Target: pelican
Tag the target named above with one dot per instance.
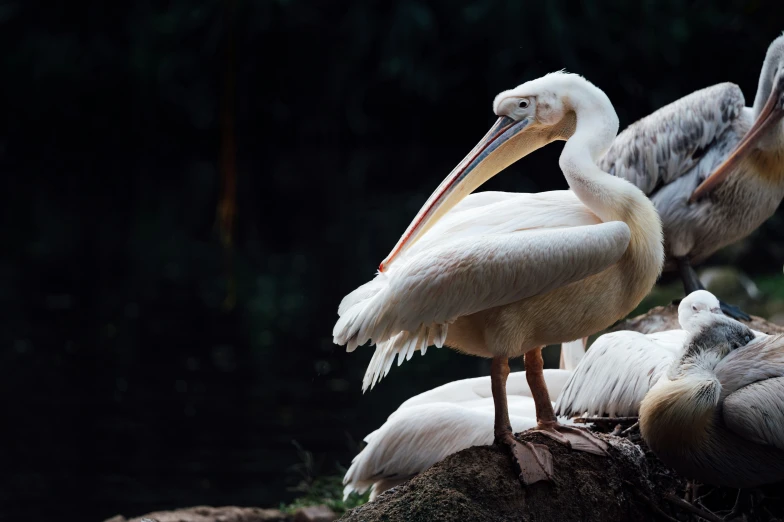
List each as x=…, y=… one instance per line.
x=713, y=167
x=500, y=275
x=620, y=368
x=717, y=415
x=439, y=422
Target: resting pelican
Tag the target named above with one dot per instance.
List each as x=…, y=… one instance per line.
x=429, y=427
x=501, y=275
x=620, y=368
x=717, y=416
x=439, y=422
x=713, y=167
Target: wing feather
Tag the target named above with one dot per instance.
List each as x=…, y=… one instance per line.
x=415, y=438
x=477, y=388
x=468, y=275
x=762, y=358
x=615, y=374
x=756, y=412
x=670, y=142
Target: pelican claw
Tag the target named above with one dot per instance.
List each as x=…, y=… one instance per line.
x=579, y=439
x=533, y=462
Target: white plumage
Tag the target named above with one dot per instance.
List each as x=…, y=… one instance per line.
x=621, y=367
x=501, y=275
x=437, y=423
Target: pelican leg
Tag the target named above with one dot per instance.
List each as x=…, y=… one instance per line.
x=533, y=462
x=576, y=438
x=742, y=505
x=692, y=283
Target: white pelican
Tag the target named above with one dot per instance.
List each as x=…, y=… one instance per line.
x=717, y=416
x=501, y=275
x=429, y=427
x=439, y=422
x=620, y=367
x=713, y=167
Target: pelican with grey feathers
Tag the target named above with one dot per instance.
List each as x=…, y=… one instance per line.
x=717, y=415
x=713, y=167
x=619, y=369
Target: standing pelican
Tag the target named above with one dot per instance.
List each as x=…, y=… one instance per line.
x=620, y=368
x=717, y=416
x=502, y=275
x=713, y=167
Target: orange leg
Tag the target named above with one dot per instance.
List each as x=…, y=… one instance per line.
x=533, y=462
x=576, y=438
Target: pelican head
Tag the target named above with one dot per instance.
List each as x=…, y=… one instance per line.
x=697, y=301
x=765, y=133
x=711, y=338
x=529, y=117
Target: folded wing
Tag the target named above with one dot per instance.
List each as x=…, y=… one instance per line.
x=691, y=135
x=616, y=373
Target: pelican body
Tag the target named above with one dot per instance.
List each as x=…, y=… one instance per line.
x=717, y=416
x=430, y=426
x=713, y=167
x=621, y=367
x=501, y=275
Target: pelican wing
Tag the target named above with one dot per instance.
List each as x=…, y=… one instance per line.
x=761, y=359
x=415, y=438
x=473, y=262
x=697, y=130
x=756, y=412
x=466, y=391
x=616, y=373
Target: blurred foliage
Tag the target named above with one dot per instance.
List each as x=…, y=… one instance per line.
x=326, y=491
x=316, y=488
x=124, y=375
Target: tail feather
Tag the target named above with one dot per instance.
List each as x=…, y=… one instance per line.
x=364, y=317
x=403, y=345
x=439, y=335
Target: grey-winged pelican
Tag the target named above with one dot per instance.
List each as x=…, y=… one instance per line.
x=500, y=275
x=717, y=415
x=620, y=367
x=713, y=167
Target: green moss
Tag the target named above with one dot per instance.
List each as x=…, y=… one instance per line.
x=326, y=491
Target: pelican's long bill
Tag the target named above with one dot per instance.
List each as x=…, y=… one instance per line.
x=504, y=144
x=770, y=114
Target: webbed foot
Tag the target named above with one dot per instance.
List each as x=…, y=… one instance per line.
x=532, y=462
x=579, y=439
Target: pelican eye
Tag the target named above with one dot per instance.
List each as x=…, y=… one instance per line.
x=523, y=104
x=747, y=338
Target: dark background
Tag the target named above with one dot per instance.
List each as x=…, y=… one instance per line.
x=154, y=355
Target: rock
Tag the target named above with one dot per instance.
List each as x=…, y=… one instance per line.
x=314, y=514
x=210, y=514
x=479, y=484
